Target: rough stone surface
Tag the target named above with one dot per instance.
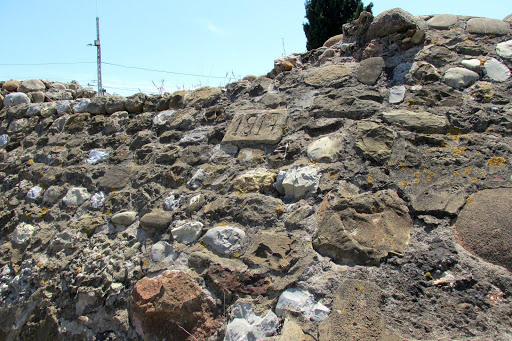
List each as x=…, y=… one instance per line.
x=420, y=121
x=442, y=21
x=370, y=70
x=368, y=229
x=23, y=233
x=299, y=181
x=11, y=85
x=374, y=140
x=504, y=49
x=488, y=26
x=15, y=99
x=396, y=94
x=484, y=228
x=76, y=196
x=203, y=96
x=173, y=306
x=187, y=232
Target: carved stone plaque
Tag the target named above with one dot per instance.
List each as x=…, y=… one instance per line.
x=257, y=126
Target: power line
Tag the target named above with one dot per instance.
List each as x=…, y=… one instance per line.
x=37, y=64
x=164, y=71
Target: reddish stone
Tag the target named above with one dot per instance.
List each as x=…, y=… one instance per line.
x=173, y=307
x=244, y=282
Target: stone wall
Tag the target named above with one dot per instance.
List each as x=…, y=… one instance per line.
x=358, y=191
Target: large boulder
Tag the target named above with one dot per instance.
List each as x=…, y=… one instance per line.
x=114, y=104
x=172, y=306
x=484, y=226
x=362, y=229
x=135, y=103
x=389, y=22
x=31, y=85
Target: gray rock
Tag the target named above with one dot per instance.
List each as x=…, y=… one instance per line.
x=504, y=49
x=52, y=194
x=247, y=326
x=472, y=64
x=224, y=239
x=256, y=126
x=76, y=196
x=302, y=301
x=157, y=219
x=163, y=117
x=370, y=70
x=31, y=85
x=328, y=76
x=458, y=77
x=116, y=177
x=34, y=192
x=357, y=314
x=508, y=18
x=97, y=156
x=420, y=121
x=172, y=202
x=324, y=149
x=187, y=232
x=425, y=73
x=4, y=139
x=97, y=200
x=114, y=104
x=496, y=71
x=488, y=26
x=163, y=252
x=196, y=136
x=124, y=218
x=389, y=22
x=22, y=233
x=17, y=125
x=439, y=197
x=64, y=107
x=396, y=94
x=299, y=181
x=81, y=105
x=15, y=99
x=442, y=21
x=400, y=73
x=196, y=180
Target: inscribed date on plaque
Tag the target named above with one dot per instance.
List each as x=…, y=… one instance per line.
x=256, y=127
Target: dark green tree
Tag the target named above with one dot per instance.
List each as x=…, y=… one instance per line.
x=326, y=18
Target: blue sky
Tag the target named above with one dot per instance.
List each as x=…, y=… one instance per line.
x=216, y=41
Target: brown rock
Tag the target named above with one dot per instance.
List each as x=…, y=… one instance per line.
x=157, y=219
x=116, y=177
x=204, y=96
x=332, y=75
x=333, y=40
x=11, y=85
x=254, y=180
x=173, y=307
x=239, y=282
x=272, y=251
x=484, y=226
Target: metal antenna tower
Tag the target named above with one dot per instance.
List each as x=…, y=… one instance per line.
x=98, y=48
